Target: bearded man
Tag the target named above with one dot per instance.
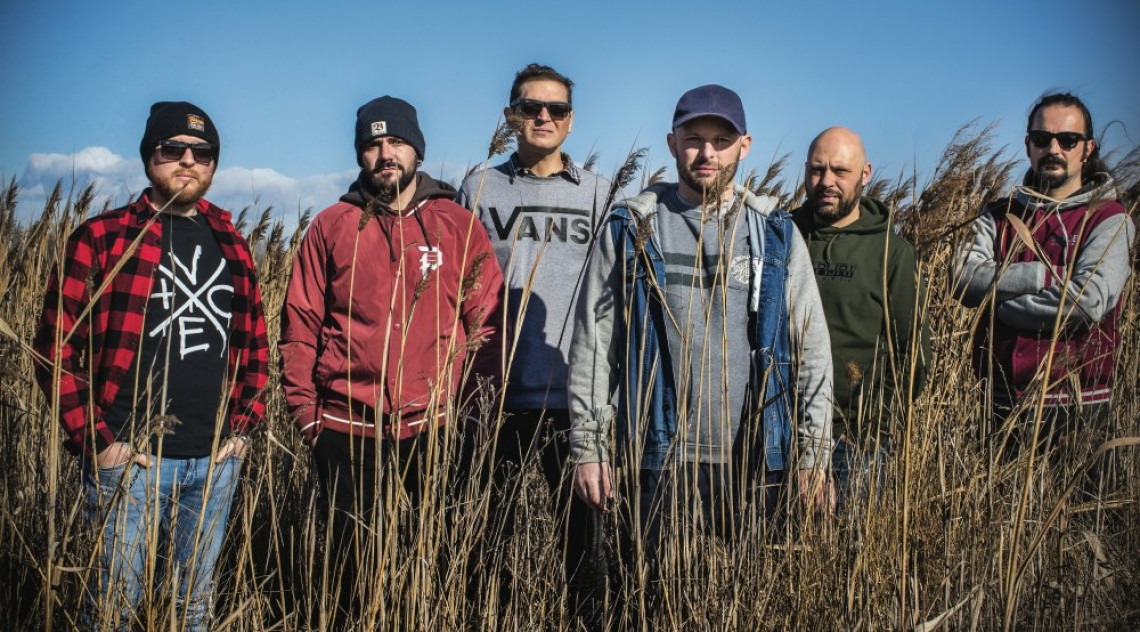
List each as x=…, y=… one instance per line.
x=393, y=288
x=1049, y=265
x=869, y=287
x=155, y=344
x=699, y=311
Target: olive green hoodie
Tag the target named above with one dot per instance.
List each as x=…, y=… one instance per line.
x=867, y=275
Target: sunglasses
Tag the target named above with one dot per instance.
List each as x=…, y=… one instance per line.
x=173, y=150
x=1067, y=140
x=531, y=108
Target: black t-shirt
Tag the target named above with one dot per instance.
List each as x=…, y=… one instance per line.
x=174, y=386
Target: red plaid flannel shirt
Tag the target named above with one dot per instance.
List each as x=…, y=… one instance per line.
x=92, y=344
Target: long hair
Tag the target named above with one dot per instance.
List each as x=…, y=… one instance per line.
x=1093, y=164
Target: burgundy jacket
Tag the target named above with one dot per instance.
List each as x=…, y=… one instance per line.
x=382, y=311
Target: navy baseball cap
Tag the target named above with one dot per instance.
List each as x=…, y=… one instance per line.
x=710, y=100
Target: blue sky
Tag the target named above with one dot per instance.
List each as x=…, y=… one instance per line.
x=283, y=80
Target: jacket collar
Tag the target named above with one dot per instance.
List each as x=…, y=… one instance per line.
x=140, y=210
x=1100, y=188
x=569, y=171
x=644, y=204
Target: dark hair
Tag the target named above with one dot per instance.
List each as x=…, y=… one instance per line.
x=535, y=72
x=1093, y=165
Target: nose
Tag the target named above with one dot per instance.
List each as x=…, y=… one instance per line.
x=187, y=159
x=828, y=178
x=387, y=151
x=543, y=115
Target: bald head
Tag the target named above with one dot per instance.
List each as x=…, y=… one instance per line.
x=835, y=138
x=835, y=174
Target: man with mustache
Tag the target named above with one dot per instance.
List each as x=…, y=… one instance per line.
x=1049, y=265
x=540, y=210
x=155, y=345
x=393, y=298
x=868, y=283
x=699, y=311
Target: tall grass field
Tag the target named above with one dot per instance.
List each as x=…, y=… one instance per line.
x=964, y=538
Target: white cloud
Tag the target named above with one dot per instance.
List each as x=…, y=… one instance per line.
x=117, y=179
x=243, y=186
x=90, y=159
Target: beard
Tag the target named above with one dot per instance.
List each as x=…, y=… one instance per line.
x=386, y=190
x=844, y=208
x=712, y=187
x=1045, y=182
x=187, y=194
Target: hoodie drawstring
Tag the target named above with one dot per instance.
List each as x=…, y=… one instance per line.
x=415, y=212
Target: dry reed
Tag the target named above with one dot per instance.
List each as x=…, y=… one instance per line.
x=962, y=539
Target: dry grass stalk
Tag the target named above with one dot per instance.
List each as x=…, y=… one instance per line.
x=938, y=552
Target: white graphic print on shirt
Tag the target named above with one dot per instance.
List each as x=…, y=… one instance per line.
x=191, y=305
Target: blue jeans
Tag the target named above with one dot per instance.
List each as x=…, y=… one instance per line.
x=173, y=513
x=860, y=475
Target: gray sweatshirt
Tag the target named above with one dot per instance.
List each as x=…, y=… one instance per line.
x=541, y=230
x=595, y=354
x=1029, y=293
x=707, y=266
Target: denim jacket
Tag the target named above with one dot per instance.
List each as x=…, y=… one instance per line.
x=620, y=342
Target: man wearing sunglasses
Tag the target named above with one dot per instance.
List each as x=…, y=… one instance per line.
x=1048, y=266
x=156, y=349
x=540, y=211
x=393, y=299
x=699, y=314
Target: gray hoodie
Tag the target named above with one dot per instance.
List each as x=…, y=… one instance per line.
x=1028, y=293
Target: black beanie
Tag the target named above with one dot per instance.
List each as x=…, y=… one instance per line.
x=171, y=118
x=388, y=116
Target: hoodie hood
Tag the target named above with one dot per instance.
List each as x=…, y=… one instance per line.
x=644, y=207
x=427, y=188
x=1100, y=188
x=644, y=204
x=873, y=216
x=873, y=219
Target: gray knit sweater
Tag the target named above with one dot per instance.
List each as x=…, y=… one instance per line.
x=541, y=229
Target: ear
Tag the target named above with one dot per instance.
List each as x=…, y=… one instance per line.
x=1028, y=150
x=669, y=139
x=1090, y=147
x=507, y=113
x=867, y=170
x=570, y=122
x=745, y=146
